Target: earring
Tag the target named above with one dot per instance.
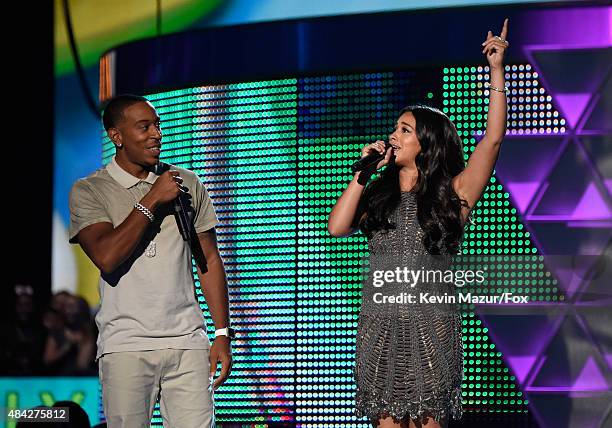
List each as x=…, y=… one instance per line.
x=119, y=145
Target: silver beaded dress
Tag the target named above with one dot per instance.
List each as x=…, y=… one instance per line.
x=409, y=356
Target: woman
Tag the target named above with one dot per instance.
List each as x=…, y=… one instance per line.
x=409, y=356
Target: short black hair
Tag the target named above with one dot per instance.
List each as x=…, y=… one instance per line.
x=113, y=111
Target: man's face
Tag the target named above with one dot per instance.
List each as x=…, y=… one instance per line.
x=140, y=134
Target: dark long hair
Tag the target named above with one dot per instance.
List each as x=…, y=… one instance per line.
x=438, y=205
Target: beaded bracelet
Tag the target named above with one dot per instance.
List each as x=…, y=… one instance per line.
x=145, y=211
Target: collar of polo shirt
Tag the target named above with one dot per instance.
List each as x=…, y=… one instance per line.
x=124, y=178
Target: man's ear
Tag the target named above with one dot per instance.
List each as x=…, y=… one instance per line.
x=115, y=136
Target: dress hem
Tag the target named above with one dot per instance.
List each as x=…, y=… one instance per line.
x=376, y=407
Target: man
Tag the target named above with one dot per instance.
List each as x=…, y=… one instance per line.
x=152, y=339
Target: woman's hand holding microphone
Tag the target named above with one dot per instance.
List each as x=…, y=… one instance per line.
x=378, y=146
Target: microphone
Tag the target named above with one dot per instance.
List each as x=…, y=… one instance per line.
x=180, y=206
x=370, y=160
x=160, y=168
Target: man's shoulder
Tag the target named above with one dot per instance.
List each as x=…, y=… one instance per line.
x=95, y=180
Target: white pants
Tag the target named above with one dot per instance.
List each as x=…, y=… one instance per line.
x=132, y=382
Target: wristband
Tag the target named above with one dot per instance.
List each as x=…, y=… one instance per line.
x=227, y=331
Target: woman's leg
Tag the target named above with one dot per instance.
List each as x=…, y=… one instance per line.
x=427, y=422
x=390, y=422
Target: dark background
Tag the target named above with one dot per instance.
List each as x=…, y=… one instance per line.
x=28, y=139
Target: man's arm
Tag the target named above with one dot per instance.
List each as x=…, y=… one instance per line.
x=107, y=246
x=214, y=288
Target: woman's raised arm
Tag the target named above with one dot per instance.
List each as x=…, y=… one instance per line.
x=471, y=182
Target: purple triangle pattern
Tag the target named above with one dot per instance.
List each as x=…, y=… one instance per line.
x=561, y=362
x=573, y=105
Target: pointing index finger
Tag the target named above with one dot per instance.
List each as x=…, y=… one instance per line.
x=504, y=31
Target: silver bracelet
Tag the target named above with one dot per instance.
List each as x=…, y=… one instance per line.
x=496, y=89
x=145, y=211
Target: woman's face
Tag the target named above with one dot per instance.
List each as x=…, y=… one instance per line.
x=404, y=141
